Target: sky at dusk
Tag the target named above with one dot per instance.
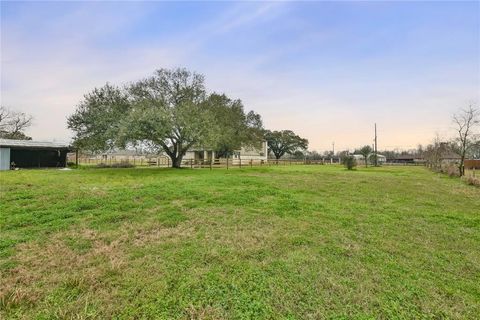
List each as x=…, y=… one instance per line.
x=326, y=70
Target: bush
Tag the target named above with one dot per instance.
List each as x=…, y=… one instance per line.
x=470, y=180
x=349, y=162
x=71, y=164
x=450, y=169
x=121, y=164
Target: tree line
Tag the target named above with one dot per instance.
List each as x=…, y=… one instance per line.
x=172, y=111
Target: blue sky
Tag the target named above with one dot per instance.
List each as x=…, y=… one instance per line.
x=327, y=70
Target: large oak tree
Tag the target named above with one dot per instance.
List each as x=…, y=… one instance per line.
x=285, y=142
x=171, y=111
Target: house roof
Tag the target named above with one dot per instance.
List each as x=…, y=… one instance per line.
x=450, y=155
x=27, y=144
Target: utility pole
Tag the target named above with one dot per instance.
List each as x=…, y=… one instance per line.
x=333, y=152
x=375, y=148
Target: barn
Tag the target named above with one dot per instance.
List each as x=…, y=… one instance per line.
x=32, y=154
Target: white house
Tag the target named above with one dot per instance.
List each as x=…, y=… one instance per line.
x=381, y=159
x=245, y=155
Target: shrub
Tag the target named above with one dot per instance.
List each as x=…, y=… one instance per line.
x=349, y=162
x=71, y=164
x=121, y=164
x=470, y=180
x=452, y=171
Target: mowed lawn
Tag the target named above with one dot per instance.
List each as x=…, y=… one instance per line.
x=292, y=242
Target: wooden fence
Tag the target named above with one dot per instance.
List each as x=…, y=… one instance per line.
x=403, y=164
x=190, y=163
x=472, y=164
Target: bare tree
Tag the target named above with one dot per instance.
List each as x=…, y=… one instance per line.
x=13, y=124
x=466, y=121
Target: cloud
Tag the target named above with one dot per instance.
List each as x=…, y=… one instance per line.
x=296, y=74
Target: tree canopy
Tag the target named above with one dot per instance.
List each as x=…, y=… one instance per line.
x=285, y=142
x=170, y=111
x=365, y=152
x=13, y=124
x=235, y=128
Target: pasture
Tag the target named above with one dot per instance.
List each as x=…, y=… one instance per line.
x=284, y=242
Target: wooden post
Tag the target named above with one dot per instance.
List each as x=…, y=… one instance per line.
x=240, y=162
x=251, y=163
x=227, y=162
x=191, y=163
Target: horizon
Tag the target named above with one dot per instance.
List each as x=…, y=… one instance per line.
x=328, y=71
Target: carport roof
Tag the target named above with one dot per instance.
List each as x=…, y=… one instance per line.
x=10, y=143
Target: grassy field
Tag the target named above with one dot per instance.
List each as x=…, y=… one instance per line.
x=292, y=242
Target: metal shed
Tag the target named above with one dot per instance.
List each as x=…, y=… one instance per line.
x=32, y=154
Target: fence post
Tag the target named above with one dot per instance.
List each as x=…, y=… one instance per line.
x=227, y=162
x=251, y=163
x=191, y=163
x=240, y=162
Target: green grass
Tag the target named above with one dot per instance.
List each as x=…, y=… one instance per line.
x=292, y=242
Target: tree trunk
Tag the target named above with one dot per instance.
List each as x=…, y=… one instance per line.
x=461, y=167
x=177, y=162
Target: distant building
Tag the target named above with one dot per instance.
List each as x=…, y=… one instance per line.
x=371, y=158
x=193, y=155
x=381, y=159
x=32, y=154
x=450, y=157
x=406, y=159
x=245, y=154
